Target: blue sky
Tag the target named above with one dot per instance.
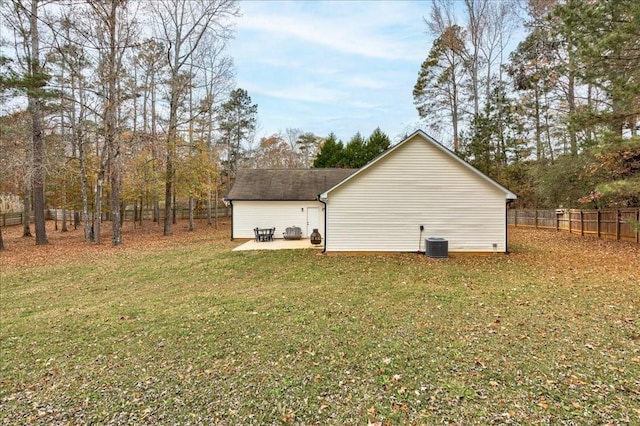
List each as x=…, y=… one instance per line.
x=331, y=66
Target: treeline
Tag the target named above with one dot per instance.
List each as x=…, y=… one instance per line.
x=119, y=103
x=355, y=154
x=133, y=103
x=557, y=119
x=297, y=149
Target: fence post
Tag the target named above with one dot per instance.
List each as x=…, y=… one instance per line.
x=515, y=217
x=598, y=222
x=581, y=222
x=535, y=218
x=557, y=221
x=617, y=225
x=570, y=211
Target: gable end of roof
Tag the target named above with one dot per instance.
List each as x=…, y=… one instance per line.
x=510, y=196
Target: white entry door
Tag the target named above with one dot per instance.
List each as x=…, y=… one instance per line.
x=313, y=219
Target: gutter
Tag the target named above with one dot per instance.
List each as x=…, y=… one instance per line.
x=324, y=249
x=506, y=226
x=231, y=205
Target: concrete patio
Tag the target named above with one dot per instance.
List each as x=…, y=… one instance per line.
x=278, y=244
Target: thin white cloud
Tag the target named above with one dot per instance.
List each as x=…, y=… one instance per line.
x=364, y=104
x=301, y=93
x=364, y=29
x=364, y=81
x=342, y=66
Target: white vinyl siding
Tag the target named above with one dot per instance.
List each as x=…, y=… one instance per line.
x=382, y=208
x=248, y=215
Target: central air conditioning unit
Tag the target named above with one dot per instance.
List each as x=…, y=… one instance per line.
x=436, y=248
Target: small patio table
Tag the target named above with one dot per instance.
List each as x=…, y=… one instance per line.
x=264, y=234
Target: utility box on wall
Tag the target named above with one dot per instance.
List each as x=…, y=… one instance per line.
x=436, y=248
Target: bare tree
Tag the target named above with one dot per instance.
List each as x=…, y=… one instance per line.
x=115, y=32
x=308, y=144
x=218, y=79
x=183, y=25
x=73, y=55
x=151, y=59
x=292, y=135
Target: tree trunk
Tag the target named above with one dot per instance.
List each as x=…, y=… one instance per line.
x=111, y=136
x=64, y=210
x=36, y=123
x=26, y=219
x=83, y=190
x=571, y=101
x=168, y=188
x=539, y=153
x=78, y=141
x=216, y=204
x=154, y=153
x=547, y=127
x=63, y=135
x=97, y=222
x=171, y=149
x=1, y=240
x=209, y=200
x=454, y=118
x=192, y=225
x=116, y=224
x=174, y=209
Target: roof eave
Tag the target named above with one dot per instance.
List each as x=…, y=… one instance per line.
x=271, y=199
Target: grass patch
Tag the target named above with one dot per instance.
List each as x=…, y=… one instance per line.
x=199, y=334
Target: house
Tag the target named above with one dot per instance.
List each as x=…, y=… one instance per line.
x=414, y=190
x=280, y=198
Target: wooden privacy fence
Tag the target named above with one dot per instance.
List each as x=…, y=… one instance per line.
x=17, y=218
x=619, y=224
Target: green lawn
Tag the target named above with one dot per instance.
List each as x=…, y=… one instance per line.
x=202, y=335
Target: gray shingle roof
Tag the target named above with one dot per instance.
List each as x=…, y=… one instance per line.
x=285, y=184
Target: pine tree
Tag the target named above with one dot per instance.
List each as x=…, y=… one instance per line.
x=377, y=143
x=237, y=119
x=330, y=154
x=437, y=93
